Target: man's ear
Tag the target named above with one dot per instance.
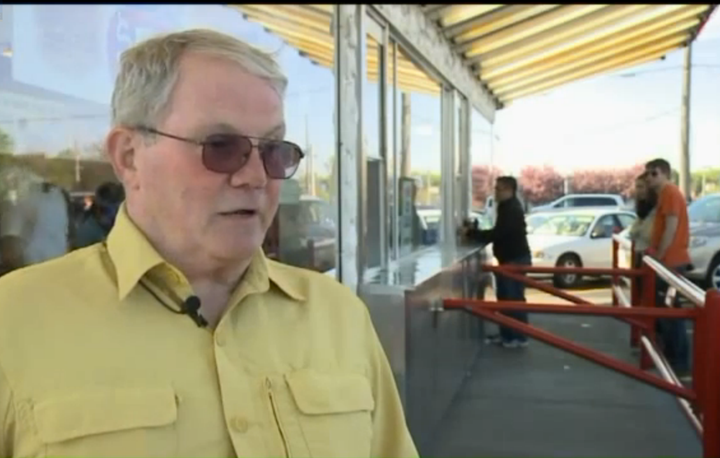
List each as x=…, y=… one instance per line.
x=121, y=146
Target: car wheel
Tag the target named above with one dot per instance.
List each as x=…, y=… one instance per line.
x=713, y=275
x=568, y=280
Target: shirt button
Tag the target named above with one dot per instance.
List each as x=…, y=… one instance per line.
x=239, y=424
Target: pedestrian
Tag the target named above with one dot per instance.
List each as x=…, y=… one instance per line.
x=177, y=336
x=641, y=229
x=510, y=247
x=35, y=222
x=669, y=244
x=100, y=217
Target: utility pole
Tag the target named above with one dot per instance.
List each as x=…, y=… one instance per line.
x=309, y=162
x=405, y=164
x=684, y=175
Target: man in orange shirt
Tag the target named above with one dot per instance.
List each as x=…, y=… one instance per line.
x=669, y=242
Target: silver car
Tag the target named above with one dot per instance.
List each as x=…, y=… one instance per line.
x=704, y=215
x=704, y=250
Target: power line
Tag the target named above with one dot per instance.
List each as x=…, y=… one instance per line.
x=665, y=69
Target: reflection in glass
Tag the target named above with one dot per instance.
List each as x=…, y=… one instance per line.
x=418, y=111
x=54, y=113
x=375, y=176
x=482, y=162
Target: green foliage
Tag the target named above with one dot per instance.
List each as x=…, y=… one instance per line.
x=7, y=144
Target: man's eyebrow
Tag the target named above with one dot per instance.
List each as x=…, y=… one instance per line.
x=277, y=131
x=219, y=128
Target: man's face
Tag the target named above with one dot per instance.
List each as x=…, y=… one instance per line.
x=192, y=206
x=502, y=192
x=655, y=178
x=641, y=188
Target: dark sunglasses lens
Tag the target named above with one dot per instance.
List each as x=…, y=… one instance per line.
x=226, y=153
x=281, y=159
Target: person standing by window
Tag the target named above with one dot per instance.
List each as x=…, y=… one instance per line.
x=510, y=246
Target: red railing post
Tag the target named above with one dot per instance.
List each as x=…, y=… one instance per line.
x=700, y=351
x=711, y=385
x=615, y=282
x=648, y=300
x=634, y=297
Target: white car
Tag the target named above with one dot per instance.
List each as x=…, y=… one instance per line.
x=577, y=238
x=583, y=200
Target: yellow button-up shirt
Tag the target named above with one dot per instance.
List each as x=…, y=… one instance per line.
x=92, y=364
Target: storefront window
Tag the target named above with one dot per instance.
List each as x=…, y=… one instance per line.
x=57, y=70
x=483, y=169
x=418, y=150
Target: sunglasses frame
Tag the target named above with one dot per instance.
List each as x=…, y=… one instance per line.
x=205, y=143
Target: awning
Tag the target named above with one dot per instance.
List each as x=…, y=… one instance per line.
x=515, y=50
x=307, y=28
x=521, y=50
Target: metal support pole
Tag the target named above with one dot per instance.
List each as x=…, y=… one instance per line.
x=711, y=395
x=635, y=295
x=349, y=34
x=685, y=180
x=615, y=278
x=648, y=300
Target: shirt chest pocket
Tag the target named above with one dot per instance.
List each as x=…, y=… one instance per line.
x=117, y=422
x=334, y=412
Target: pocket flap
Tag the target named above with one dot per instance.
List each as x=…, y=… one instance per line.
x=84, y=414
x=317, y=393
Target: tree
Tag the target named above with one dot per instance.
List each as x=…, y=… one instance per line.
x=483, y=177
x=611, y=181
x=541, y=184
x=7, y=144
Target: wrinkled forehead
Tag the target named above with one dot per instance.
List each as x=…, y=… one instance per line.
x=213, y=90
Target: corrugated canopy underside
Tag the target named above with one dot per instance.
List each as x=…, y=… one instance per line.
x=515, y=50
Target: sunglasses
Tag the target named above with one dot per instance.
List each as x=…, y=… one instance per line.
x=228, y=153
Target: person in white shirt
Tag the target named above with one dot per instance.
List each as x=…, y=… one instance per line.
x=34, y=224
x=641, y=229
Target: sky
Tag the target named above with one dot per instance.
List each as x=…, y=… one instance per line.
x=617, y=119
x=608, y=121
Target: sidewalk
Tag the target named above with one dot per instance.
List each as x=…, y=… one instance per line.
x=541, y=401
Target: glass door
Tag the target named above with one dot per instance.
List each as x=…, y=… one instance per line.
x=375, y=146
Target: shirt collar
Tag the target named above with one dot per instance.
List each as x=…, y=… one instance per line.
x=133, y=256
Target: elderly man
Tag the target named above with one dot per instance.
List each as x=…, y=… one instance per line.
x=177, y=337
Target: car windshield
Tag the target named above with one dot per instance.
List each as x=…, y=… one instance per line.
x=568, y=225
x=706, y=210
x=533, y=221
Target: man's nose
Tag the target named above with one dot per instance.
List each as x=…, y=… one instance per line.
x=252, y=174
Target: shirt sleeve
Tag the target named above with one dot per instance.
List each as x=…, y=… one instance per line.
x=7, y=417
x=391, y=437
x=674, y=203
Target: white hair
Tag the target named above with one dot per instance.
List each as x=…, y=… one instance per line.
x=149, y=70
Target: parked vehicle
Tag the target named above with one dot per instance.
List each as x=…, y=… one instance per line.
x=704, y=249
x=704, y=216
x=583, y=200
x=577, y=238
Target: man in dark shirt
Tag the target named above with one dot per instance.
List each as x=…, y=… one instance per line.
x=510, y=246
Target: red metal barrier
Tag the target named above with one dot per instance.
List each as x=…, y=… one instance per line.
x=640, y=313
x=514, y=272
x=487, y=310
x=710, y=396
